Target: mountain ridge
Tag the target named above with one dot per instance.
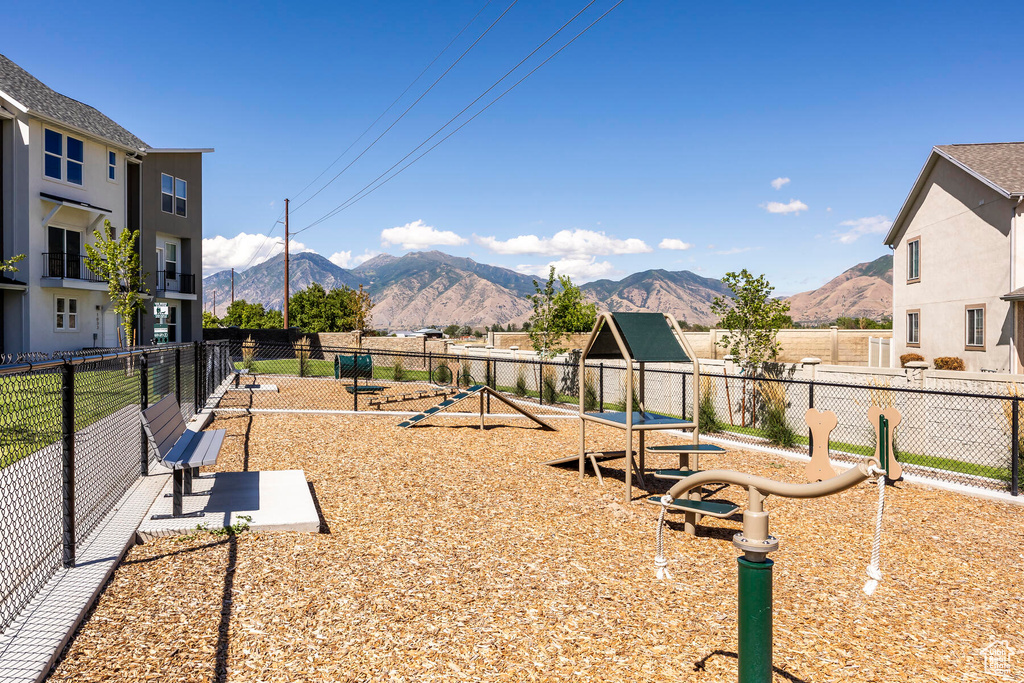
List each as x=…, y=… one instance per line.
x=434, y=288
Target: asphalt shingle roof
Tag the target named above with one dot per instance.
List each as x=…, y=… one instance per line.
x=1001, y=162
x=32, y=93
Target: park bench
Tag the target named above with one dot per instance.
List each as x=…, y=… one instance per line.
x=180, y=449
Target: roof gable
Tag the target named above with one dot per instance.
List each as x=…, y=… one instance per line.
x=1000, y=165
x=39, y=99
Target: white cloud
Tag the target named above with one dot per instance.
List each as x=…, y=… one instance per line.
x=870, y=225
x=573, y=244
x=795, y=206
x=779, y=182
x=345, y=259
x=672, y=243
x=220, y=253
x=417, y=235
x=579, y=269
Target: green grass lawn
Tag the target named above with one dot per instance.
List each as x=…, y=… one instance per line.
x=30, y=407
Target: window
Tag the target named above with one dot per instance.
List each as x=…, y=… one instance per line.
x=63, y=157
x=180, y=186
x=914, y=260
x=111, y=165
x=173, y=195
x=66, y=312
x=64, y=253
x=975, y=319
x=913, y=328
x=171, y=260
x=172, y=324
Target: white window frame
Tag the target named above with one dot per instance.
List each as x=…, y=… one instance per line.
x=111, y=166
x=63, y=158
x=183, y=197
x=976, y=344
x=916, y=340
x=174, y=195
x=68, y=317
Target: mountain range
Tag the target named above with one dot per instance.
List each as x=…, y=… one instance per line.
x=434, y=288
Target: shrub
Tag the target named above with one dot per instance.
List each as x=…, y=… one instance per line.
x=549, y=385
x=467, y=374
x=248, y=353
x=707, y=420
x=442, y=374
x=398, y=370
x=949, y=363
x=520, y=389
x=302, y=347
x=774, y=424
x=590, y=398
x=910, y=358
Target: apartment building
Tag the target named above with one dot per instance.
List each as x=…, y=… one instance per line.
x=65, y=168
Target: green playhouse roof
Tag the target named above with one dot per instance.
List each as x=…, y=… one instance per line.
x=649, y=339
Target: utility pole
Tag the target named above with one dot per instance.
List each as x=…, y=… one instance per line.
x=232, y=285
x=286, y=236
x=215, y=303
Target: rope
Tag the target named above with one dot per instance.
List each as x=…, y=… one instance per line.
x=659, y=559
x=874, y=573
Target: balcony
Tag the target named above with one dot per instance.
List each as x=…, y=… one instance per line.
x=69, y=271
x=170, y=283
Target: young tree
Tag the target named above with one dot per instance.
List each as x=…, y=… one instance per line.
x=557, y=313
x=7, y=265
x=116, y=260
x=752, y=317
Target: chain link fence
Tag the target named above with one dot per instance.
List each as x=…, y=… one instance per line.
x=948, y=436
x=71, y=445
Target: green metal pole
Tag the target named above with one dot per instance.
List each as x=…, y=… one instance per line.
x=755, y=621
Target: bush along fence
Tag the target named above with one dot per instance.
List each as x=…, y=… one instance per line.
x=71, y=444
x=951, y=436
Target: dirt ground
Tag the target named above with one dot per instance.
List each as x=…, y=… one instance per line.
x=449, y=554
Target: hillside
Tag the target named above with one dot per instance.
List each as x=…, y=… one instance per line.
x=862, y=291
x=434, y=288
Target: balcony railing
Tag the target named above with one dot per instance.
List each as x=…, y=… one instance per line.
x=173, y=281
x=68, y=266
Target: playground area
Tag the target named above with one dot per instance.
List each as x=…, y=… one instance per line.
x=448, y=552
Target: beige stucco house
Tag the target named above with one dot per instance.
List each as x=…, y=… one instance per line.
x=958, y=266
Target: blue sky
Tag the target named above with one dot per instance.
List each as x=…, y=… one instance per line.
x=665, y=121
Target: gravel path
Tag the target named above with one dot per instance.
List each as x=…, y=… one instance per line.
x=453, y=556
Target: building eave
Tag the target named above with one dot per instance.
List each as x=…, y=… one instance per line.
x=180, y=150
x=933, y=157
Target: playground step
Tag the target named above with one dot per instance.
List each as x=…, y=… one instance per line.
x=710, y=508
x=687, y=448
x=674, y=474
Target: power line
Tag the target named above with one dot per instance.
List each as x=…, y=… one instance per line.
x=362, y=193
x=417, y=101
x=393, y=103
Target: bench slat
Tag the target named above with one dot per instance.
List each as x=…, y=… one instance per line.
x=206, y=448
x=179, y=455
x=163, y=423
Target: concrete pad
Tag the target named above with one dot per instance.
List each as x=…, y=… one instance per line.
x=275, y=500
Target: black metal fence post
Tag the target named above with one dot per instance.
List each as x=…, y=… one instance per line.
x=810, y=404
x=430, y=367
x=540, y=381
x=355, y=381
x=195, y=374
x=600, y=385
x=1015, y=450
x=68, y=461
x=143, y=404
x=177, y=374
x=683, y=414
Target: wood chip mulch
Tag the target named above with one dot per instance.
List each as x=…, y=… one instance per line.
x=452, y=555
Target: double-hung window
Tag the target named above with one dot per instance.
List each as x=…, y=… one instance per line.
x=975, y=333
x=63, y=157
x=173, y=195
x=914, y=260
x=66, y=314
x=913, y=328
